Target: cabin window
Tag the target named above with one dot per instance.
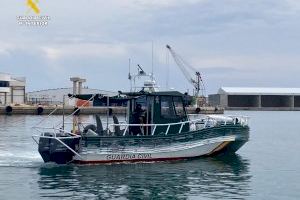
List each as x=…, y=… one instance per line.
x=4, y=84
x=167, y=107
x=142, y=101
x=179, y=109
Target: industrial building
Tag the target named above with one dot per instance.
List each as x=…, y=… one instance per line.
x=252, y=98
x=12, y=89
x=59, y=95
x=56, y=96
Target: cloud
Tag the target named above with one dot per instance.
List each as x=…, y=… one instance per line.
x=5, y=48
x=83, y=50
x=293, y=5
x=51, y=53
x=151, y=19
x=4, y=52
x=231, y=41
x=166, y=3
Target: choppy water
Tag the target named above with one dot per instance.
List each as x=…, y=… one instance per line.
x=267, y=167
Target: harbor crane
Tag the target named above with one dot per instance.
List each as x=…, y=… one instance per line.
x=187, y=71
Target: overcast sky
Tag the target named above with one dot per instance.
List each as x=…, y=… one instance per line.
x=231, y=42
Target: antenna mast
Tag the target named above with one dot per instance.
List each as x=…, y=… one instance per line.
x=152, y=62
x=168, y=70
x=129, y=74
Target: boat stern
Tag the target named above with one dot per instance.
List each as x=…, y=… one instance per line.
x=58, y=148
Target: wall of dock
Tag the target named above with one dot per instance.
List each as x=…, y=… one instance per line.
x=33, y=110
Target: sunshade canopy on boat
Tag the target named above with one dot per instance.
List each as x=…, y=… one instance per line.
x=164, y=93
x=123, y=97
x=100, y=98
x=128, y=95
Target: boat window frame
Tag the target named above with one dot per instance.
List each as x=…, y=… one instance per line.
x=144, y=104
x=174, y=116
x=183, y=114
x=4, y=84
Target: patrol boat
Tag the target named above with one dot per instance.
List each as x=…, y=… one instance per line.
x=156, y=128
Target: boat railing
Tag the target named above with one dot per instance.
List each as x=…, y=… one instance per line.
x=194, y=124
x=93, y=123
x=55, y=131
x=206, y=122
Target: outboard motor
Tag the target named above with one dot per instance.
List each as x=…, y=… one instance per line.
x=53, y=150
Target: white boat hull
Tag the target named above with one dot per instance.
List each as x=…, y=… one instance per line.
x=172, y=152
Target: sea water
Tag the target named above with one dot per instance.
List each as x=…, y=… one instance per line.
x=267, y=167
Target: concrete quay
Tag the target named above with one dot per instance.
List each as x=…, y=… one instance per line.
x=46, y=110
x=264, y=108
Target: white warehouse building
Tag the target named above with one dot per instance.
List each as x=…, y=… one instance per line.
x=255, y=98
x=12, y=89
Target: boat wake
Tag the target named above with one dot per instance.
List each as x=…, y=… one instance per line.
x=19, y=159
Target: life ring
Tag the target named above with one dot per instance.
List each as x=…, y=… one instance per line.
x=76, y=111
x=40, y=110
x=8, y=109
x=198, y=110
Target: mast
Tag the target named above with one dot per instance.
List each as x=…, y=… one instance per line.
x=152, y=64
x=168, y=70
x=129, y=74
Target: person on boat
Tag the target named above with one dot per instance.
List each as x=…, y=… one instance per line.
x=138, y=111
x=138, y=117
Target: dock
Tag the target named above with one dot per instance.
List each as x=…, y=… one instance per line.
x=46, y=110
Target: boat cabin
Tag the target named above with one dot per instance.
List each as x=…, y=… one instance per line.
x=156, y=108
x=147, y=112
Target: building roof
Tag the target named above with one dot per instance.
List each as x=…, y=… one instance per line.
x=70, y=90
x=57, y=95
x=258, y=91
